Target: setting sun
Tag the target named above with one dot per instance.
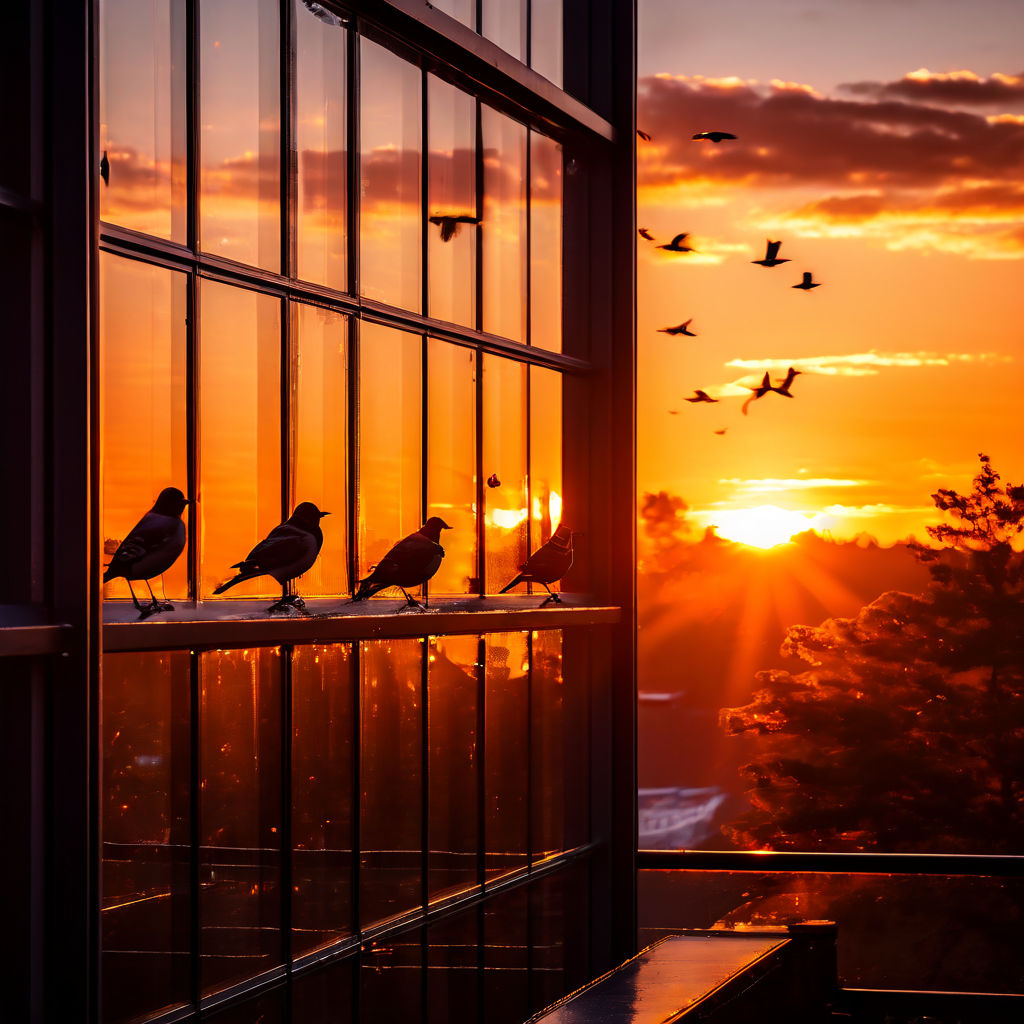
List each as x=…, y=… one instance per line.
x=761, y=527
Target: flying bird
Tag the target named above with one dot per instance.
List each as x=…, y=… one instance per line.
x=411, y=562
x=644, y=233
x=643, y=135
x=105, y=168
x=783, y=388
x=450, y=224
x=807, y=284
x=548, y=564
x=676, y=245
x=493, y=481
x=766, y=385
x=287, y=552
x=151, y=548
x=771, y=255
x=700, y=396
x=715, y=137
x=680, y=329
x=722, y=431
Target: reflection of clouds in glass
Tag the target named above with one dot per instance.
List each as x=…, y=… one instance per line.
x=866, y=364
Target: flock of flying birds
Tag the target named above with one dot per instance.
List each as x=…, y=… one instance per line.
x=771, y=259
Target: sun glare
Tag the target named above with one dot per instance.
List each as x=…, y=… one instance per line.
x=763, y=527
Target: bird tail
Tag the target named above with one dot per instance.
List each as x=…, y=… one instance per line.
x=240, y=578
x=108, y=575
x=367, y=588
x=509, y=586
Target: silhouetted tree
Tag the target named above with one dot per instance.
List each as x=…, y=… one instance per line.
x=906, y=731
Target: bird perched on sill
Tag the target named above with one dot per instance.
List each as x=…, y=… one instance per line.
x=410, y=563
x=548, y=564
x=151, y=548
x=287, y=552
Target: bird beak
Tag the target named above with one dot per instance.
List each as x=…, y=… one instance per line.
x=445, y=526
x=322, y=514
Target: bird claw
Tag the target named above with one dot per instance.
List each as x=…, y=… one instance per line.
x=551, y=597
x=150, y=609
x=411, y=606
x=287, y=604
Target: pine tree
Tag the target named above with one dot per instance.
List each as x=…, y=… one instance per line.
x=906, y=731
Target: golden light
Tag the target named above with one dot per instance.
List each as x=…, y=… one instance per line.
x=507, y=518
x=763, y=527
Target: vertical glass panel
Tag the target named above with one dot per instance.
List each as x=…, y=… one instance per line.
x=546, y=33
x=142, y=116
x=16, y=96
x=504, y=468
x=504, y=226
x=145, y=911
x=323, y=732
x=451, y=462
x=506, y=753
x=506, y=958
x=453, y=975
x=451, y=204
x=504, y=22
x=321, y=141
x=391, y=980
x=142, y=395
x=390, y=138
x=559, y=935
x=240, y=431
x=553, y=747
x=545, y=243
x=265, y=1009
x=545, y=456
x=240, y=815
x=240, y=79
x=325, y=997
x=391, y=811
x=320, y=443
x=453, y=831
x=460, y=10
x=390, y=432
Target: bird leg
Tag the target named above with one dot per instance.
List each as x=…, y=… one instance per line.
x=167, y=606
x=289, y=599
x=154, y=605
x=411, y=602
x=552, y=596
x=145, y=611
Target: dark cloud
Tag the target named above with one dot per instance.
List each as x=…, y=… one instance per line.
x=953, y=88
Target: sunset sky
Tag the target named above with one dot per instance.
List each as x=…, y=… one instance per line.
x=883, y=143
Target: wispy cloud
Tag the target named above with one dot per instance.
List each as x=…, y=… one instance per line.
x=867, y=364
x=767, y=485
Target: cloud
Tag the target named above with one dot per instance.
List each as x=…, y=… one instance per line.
x=867, y=364
x=767, y=485
x=946, y=88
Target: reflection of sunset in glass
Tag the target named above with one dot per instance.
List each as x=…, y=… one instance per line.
x=763, y=527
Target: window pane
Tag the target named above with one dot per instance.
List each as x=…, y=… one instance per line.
x=390, y=430
x=451, y=244
x=145, y=915
x=143, y=393
x=460, y=10
x=321, y=139
x=545, y=456
x=453, y=976
x=391, y=980
x=545, y=243
x=504, y=22
x=453, y=827
x=391, y=811
x=504, y=226
x=240, y=207
x=320, y=445
x=142, y=116
x=323, y=731
x=504, y=467
x=554, y=749
x=390, y=131
x=546, y=39
x=451, y=462
x=506, y=958
x=240, y=815
x=506, y=755
x=240, y=432
x=324, y=996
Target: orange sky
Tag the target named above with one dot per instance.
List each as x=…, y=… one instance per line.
x=901, y=191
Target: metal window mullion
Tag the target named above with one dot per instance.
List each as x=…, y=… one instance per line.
x=192, y=426
x=287, y=655
x=288, y=157
x=356, y=830
x=193, y=122
x=529, y=748
x=481, y=754
x=424, y=812
x=354, y=340
x=195, y=824
x=285, y=384
x=481, y=526
x=424, y=307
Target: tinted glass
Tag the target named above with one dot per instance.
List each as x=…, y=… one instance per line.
x=240, y=815
x=453, y=770
x=240, y=80
x=451, y=462
x=321, y=142
x=325, y=997
x=239, y=431
x=545, y=243
x=391, y=980
x=504, y=226
x=504, y=469
x=545, y=456
x=142, y=404
x=504, y=22
x=461, y=10
x=557, y=744
x=145, y=911
x=453, y=976
x=142, y=116
x=546, y=39
x=323, y=736
x=391, y=818
x=391, y=219
x=506, y=958
x=321, y=436
x=390, y=431
x=451, y=204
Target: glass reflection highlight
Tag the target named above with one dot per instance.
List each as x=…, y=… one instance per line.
x=545, y=457
x=546, y=35
x=545, y=243
x=504, y=23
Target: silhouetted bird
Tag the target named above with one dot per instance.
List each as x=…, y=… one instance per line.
x=450, y=224
x=722, y=431
x=766, y=385
x=680, y=329
x=783, y=388
x=673, y=412
x=771, y=255
x=493, y=481
x=807, y=284
x=676, y=245
x=411, y=562
x=548, y=564
x=759, y=392
x=287, y=552
x=715, y=137
x=643, y=135
x=105, y=168
x=644, y=233
x=701, y=396
x=151, y=548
